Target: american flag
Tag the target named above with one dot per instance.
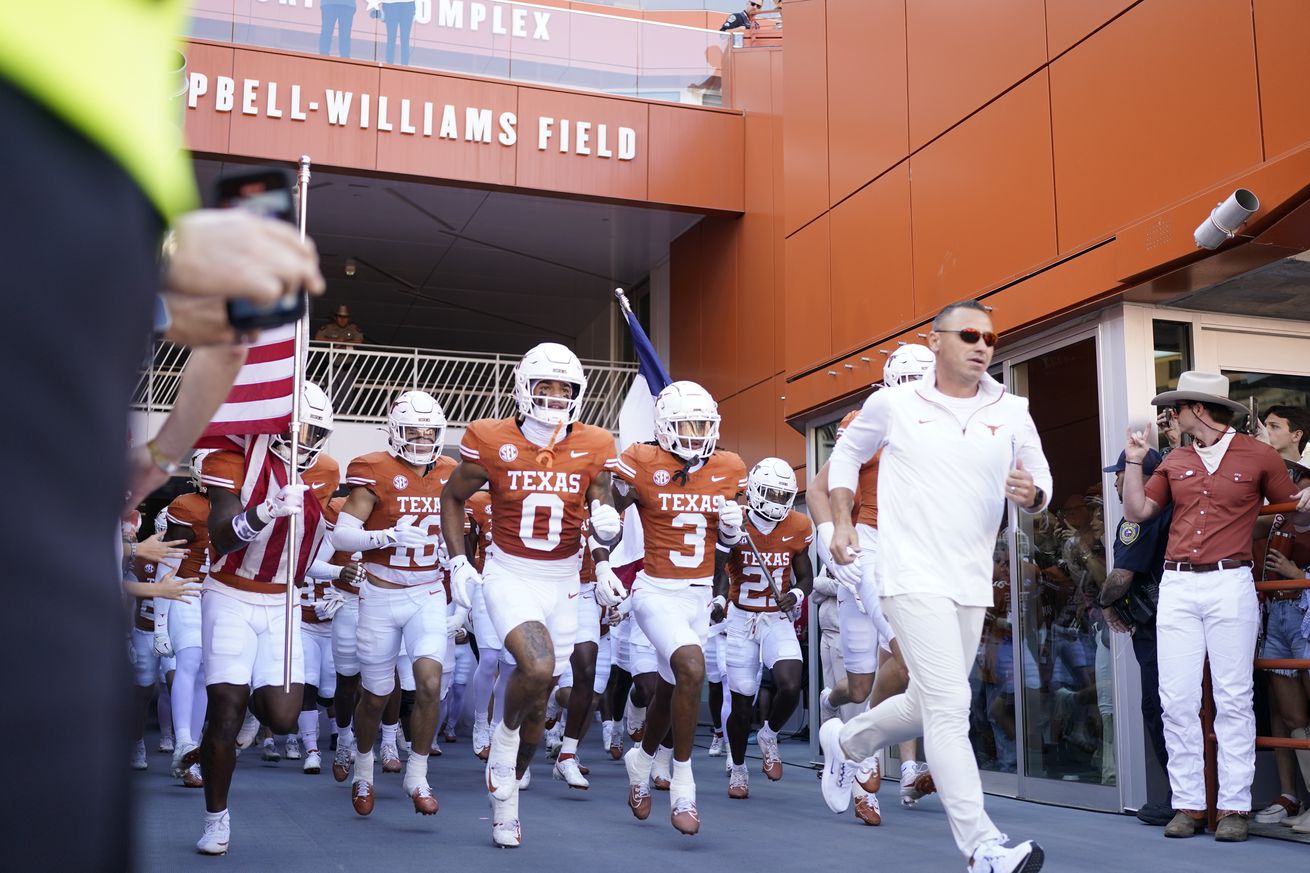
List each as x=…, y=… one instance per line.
x=260, y=399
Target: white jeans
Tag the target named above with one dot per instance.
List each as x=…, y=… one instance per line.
x=1216, y=614
x=939, y=640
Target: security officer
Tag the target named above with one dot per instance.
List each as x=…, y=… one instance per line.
x=1128, y=601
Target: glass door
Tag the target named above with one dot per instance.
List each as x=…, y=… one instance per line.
x=1060, y=686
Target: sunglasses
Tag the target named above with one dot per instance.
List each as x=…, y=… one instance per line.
x=757, y=5
x=971, y=335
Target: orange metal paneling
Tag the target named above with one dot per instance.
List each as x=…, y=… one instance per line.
x=1193, y=117
x=757, y=423
x=1282, y=40
x=868, y=110
x=685, y=254
x=805, y=131
x=790, y=445
x=685, y=157
x=779, y=203
x=208, y=131
x=1068, y=21
x=983, y=202
x=872, y=259
x=486, y=162
x=963, y=53
x=283, y=139
x=556, y=169
x=718, y=311
x=807, y=296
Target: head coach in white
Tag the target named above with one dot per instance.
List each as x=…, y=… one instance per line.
x=954, y=446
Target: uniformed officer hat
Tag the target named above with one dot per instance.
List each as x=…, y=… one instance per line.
x=1149, y=463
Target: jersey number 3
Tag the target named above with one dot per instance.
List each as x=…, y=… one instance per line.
x=695, y=539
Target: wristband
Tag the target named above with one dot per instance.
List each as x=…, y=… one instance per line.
x=800, y=597
x=242, y=528
x=167, y=467
x=720, y=601
x=132, y=544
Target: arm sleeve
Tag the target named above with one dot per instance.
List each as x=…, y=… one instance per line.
x=860, y=441
x=1029, y=451
x=349, y=536
x=320, y=569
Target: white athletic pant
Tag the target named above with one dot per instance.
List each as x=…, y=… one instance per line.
x=1217, y=614
x=939, y=640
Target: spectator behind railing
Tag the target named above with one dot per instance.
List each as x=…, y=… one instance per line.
x=339, y=14
x=1287, y=430
x=1207, y=594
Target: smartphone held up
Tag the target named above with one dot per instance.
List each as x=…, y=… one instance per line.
x=269, y=193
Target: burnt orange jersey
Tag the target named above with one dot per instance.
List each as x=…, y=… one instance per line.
x=403, y=497
x=191, y=511
x=477, y=521
x=749, y=586
x=679, y=521
x=261, y=565
x=866, y=502
x=144, y=615
x=539, y=499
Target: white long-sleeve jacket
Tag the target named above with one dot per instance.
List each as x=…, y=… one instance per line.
x=941, y=483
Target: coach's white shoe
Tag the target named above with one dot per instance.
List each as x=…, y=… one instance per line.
x=268, y=751
x=993, y=857
x=838, y=773
x=313, y=762
x=716, y=745
x=249, y=728
x=505, y=830
x=293, y=748
x=567, y=771
x=218, y=832
x=139, y=756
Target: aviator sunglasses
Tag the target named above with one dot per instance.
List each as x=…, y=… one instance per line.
x=971, y=335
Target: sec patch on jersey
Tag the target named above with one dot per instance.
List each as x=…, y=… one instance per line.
x=1129, y=531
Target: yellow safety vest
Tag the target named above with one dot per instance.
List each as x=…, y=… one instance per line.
x=103, y=67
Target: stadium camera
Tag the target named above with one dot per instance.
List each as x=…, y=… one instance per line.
x=1226, y=219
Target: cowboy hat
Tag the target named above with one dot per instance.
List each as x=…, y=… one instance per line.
x=343, y=309
x=1198, y=387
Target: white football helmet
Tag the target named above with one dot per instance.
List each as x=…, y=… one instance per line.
x=161, y=522
x=197, y=461
x=415, y=410
x=771, y=489
x=907, y=363
x=545, y=363
x=687, y=421
x=315, y=427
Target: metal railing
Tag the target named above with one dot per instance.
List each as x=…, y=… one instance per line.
x=363, y=380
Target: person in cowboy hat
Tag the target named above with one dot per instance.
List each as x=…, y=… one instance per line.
x=341, y=329
x=1207, y=593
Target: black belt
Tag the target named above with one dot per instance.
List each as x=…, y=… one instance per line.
x=1225, y=564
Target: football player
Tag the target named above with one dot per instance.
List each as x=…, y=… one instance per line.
x=177, y=625
x=685, y=492
x=243, y=623
x=150, y=668
x=544, y=469
x=393, y=517
x=874, y=667
x=758, y=630
x=582, y=676
x=478, y=543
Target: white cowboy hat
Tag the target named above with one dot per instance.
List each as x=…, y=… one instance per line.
x=1198, y=387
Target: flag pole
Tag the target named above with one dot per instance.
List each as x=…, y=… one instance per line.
x=623, y=301
x=297, y=379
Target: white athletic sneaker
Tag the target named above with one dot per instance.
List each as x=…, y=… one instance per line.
x=993, y=857
x=268, y=751
x=505, y=830
x=606, y=733
x=526, y=781
x=249, y=728
x=911, y=786
x=826, y=709
x=179, y=753
x=716, y=745
x=554, y=740
x=768, y=744
x=313, y=762
x=567, y=770
x=166, y=742
x=481, y=739
x=218, y=832
x=293, y=748
x=838, y=773
x=390, y=757
x=139, y=756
